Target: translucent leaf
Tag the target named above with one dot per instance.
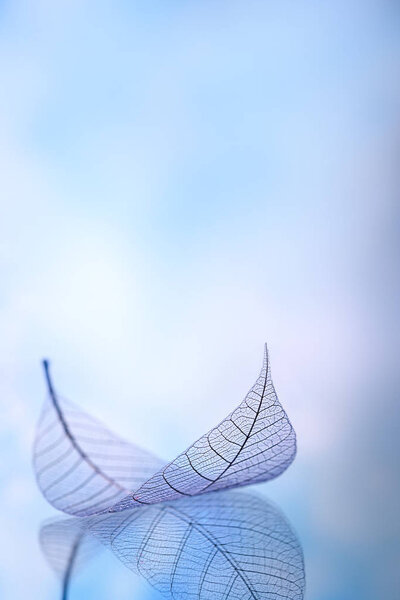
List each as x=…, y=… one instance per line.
x=254, y=443
x=81, y=466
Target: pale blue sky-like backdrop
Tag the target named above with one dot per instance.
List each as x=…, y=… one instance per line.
x=182, y=181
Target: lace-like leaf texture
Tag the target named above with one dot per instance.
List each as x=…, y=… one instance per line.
x=224, y=546
x=83, y=469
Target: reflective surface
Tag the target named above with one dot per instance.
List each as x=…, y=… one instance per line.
x=222, y=546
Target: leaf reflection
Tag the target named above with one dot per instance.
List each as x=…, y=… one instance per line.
x=224, y=546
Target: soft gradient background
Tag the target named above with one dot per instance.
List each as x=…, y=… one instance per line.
x=180, y=182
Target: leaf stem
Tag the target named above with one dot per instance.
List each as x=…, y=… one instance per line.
x=46, y=367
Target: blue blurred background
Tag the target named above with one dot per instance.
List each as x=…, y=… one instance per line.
x=180, y=182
